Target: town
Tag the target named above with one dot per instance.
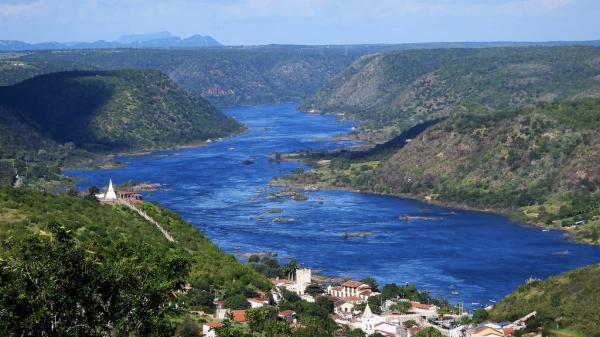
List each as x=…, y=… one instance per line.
x=396, y=316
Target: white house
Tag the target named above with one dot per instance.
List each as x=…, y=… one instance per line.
x=349, y=290
x=257, y=302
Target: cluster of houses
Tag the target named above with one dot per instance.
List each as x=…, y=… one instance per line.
x=351, y=311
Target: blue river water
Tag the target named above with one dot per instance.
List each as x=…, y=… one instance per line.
x=482, y=256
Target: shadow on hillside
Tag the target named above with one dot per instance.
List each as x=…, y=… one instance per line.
x=62, y=105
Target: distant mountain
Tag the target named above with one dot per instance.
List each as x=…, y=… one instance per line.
x=152, y=40
x=125, y=39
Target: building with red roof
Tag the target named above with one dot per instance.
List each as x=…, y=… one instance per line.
x=239, y=315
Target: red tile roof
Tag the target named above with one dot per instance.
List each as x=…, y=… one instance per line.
x=239, y=315
x=352, y=284
x=417, y=305
x=286, y=313
x=280, y=281
x=214, y=325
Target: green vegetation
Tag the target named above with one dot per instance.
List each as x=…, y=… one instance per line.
x=122, y=237
x=225, y=76
x=52, y=286
x=567, y=302
x=405, y=88
x=115, y=110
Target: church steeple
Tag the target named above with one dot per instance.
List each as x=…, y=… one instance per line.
x=110, y=194
x=367, y=313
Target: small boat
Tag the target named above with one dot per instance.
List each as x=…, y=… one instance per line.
x=455, y=293
x=545, y=230
x=492, y=301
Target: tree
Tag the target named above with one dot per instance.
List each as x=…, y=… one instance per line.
x=401, y=306
x=277, y=328
x=371, y=282
x=53, y=286
x=389, y=291
x=189, y=329
x=480, y=315
x=314, y=289
x=429, y=332
x=236, y=302
x=375, y=304
x=410, y=323
x=93, y=190
x=254, y=258
x=258, y=317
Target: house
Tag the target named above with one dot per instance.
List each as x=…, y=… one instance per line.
x=428, y=310
x=209, y=329
x=484, y=331
x=131, y=197
x=343, y=308
x=287, y=315
x=351, y=289
x=220, y=311
x=257, y=302
x=239, y=316
x=280, y=282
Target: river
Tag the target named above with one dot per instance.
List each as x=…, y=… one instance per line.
x=480, y=255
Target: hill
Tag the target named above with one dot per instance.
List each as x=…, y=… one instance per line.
x=403, y=89
x=538, y=164
x=113, y=237
x=114, y=110
x=564, y=303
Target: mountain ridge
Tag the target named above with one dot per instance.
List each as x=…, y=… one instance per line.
x=152, y=40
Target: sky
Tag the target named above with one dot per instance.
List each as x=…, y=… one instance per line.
x=253, y=22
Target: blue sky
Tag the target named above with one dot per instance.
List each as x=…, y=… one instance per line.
x=303, y=21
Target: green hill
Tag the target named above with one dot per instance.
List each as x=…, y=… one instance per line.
x=114, y=110
x=564, y=303
x=120, y=237
x=406, y=88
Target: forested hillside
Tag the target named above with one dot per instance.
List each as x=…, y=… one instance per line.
x=228, y=76
x=61, y=117
x=565, y=303
x=403, y=89
x=126, y=109
x=122, y=248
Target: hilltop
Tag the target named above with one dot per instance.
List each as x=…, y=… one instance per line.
x=564, y=303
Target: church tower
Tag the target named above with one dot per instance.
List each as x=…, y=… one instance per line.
x=110, y=194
